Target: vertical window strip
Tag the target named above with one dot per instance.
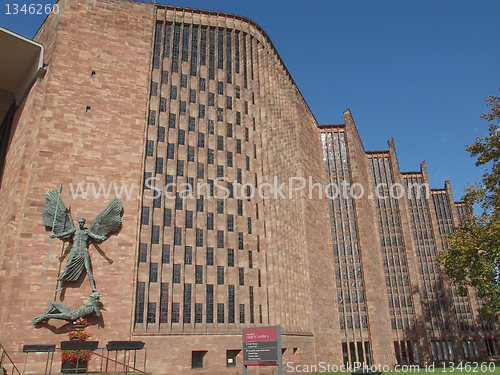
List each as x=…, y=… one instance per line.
x=151, y=312
x=187, y=304
x=211, y=54
x=157, y=45
x=194, y=50
x=185, y=43
x=251, y=56
x=252, y=317
x=175, y=48
x=203, y=46
x=237, y=52
x=228, y=56
x=245, y=80
x=210, y=303
x=242, y=313
x=230, y=307
x=220, y=49
x=164, y=303
x=166, y=49
x=139, y=303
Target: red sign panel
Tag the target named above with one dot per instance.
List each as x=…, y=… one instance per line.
x=261, y=346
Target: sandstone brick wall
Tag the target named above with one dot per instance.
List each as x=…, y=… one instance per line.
x=55, y=139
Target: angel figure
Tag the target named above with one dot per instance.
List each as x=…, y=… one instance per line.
x=57, y=216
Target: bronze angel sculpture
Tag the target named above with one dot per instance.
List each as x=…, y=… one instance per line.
x=58, y=217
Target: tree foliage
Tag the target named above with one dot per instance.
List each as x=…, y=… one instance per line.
x=473, y=256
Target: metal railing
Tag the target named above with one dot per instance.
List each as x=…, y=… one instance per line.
x=104, y=366
x=3, y=363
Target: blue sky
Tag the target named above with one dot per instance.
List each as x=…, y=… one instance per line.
x=417, y=71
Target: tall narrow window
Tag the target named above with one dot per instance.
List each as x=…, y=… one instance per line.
x=210, y=256
x=188, y=255
x=220, y=275
x=194, y=50
x=220, y=49
x=210, y=303
x=199, y=237
x=252, y=320
x=237, y=52
x=153, y=272
x=139, y=303
x=230, y=305
x=242, y=313
x=220, y=239
x=165, y=254
x=168, y=33
x=210, y=221
x=157, y=45
x=211, y=55
x=161, y=134
x=185, y=43
x=164, y=303
x=203, y=46
x=228, y=62
x=145, y=216
x=172, y=120
x=199, y=274
x=175, y=312
x=155, y=235
x=176, y=274
x=143, y=253
x=192, y=96
x=167, y=217
x=152, y=117
x=177, y=236
x=154, y=88
x=187, y=304
x=198, y=313
x=151, y=312
x=220, y=313
x=241, y=275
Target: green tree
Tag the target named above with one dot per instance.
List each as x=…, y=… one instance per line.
x=473, y=256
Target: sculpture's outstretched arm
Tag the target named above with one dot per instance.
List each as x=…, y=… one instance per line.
x=63, y=234
x=96, y=236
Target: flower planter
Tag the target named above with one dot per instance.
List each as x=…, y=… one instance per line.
x=71, y=368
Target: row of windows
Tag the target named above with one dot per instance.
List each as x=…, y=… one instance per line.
x=174, y=94
x=203, y=35
x=187, y=305
x=188, y=260
x=167, y=217
x=155, y=237
x=159, y=166
x=334, y=157
x=165, y=256
x=172, y=117
x=353, y=322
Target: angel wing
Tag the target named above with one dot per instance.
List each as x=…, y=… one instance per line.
x=109, y=220
x=63, y=221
